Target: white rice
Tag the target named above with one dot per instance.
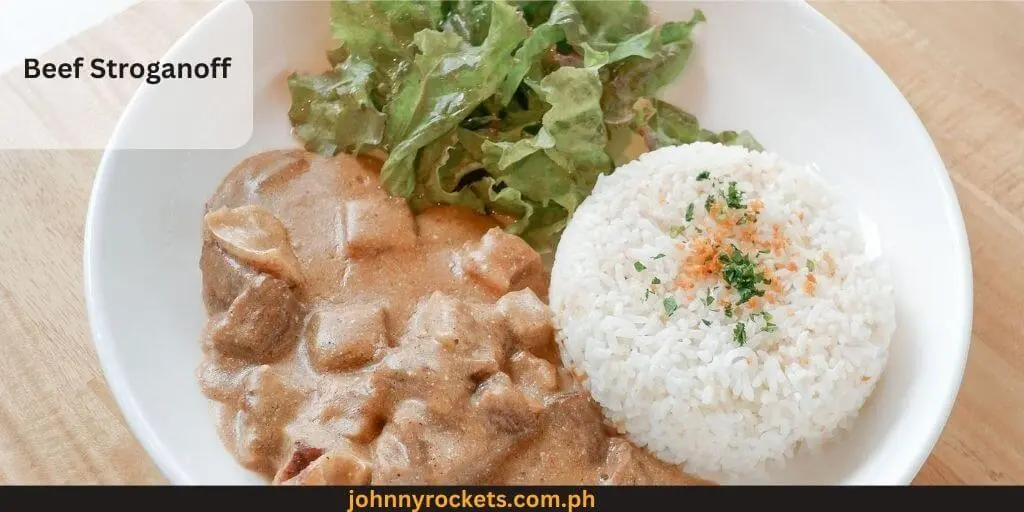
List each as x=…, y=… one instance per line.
x=689, y=392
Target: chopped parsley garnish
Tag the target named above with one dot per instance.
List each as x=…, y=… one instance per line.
x=647, y=294
x=639, y=266
x=703, y=175
x=655, y=281
x=743, y=220
x=734, y=197
x=670, y=305
x=769, y=325
x=708, y=300
x=659, y=256
x=675, y=231
x=705, y=322
x=764, y=251
x=810, y=265
x=728, y=310
x=739, y=334
x=689, y=213
x=742, y=274
x=707, y=204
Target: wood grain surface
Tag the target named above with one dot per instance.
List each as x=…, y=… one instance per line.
x=961, y=65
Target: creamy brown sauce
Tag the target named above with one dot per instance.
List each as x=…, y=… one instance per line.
x=350, y=341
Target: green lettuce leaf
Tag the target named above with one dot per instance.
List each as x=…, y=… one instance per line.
x=523, y=117
x=370, y=27
x=532, y=172
x=535, y=12
x=663, y=124
x=611, y=22
x=501, y=155
x=646, y=44
x=625, y=144
x=537, y=224
x=470, y=19
x=519, y=118
x=441, y=166
x=447, y=81
x=334, y=112
x=575, y=120
x=560, y=164
x=563, y=22
x=506, y=107
x=542, y=226
x=637, y=76
x=381, y=32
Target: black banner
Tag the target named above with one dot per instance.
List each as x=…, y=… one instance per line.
x=450, y=498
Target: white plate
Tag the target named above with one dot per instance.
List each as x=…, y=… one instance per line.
x=779, y=69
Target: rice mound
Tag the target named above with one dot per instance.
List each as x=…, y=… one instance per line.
x=681, y=385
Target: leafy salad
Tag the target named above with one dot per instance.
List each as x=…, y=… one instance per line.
x=511, y=108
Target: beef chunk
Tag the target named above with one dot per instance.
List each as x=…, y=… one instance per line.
x=341, y=466
x=301, y=457
x=502, y=262
x=378, y=224
x=400, y=454
x=420, y=447
x=529, y=319
x=346, y=337
x=221, y=378
x=623, y=467
x=628, y=464
x=506, y=407
x=465, y=331
x=223, y=277
x=570, y=443
x=266, y=406
x=533, y=374
x=258, y=326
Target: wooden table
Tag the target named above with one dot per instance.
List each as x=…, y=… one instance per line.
x=961, y=64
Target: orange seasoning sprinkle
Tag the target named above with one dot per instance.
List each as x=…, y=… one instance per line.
x=779, y=241
x=684, y=282
x=702, y=260
x=776, y=232
x=748, y=234
x=727, y=230
x=810, y=284
x=719, y=233
x=774, y=287
x=729, y=223
x=715, y=211
x=831, y=264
